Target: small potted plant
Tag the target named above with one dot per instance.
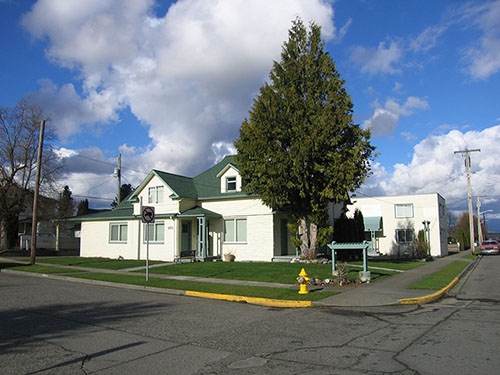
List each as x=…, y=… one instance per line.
x=229, y=257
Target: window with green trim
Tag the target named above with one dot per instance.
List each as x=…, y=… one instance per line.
x=156, y=232
x=118, y=232
x=235, y=230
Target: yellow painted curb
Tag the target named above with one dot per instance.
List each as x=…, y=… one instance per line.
x=430, y=297
x=252, y=300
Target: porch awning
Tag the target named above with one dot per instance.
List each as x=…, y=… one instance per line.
x=373, y=224
x=198, y=212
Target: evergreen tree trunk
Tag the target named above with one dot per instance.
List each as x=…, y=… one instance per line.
x=308, y=236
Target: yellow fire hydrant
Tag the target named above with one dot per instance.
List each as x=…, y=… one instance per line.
x=303, y=279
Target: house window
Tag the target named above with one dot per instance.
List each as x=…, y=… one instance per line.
x=118, y=232
x=404, y=235
x=155, y=194
x=235, y=230
x=156, y=232
x=404, y=210
x=231, y=183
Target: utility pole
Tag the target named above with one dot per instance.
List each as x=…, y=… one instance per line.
x=118, y=174
x=469, y=194
x=35, y=193
x=479, y=229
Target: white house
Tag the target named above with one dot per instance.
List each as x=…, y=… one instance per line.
x=393, y=222
x=208, y=213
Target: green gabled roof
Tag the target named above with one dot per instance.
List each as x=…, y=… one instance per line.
x=182, y=186
x=198, y=212
x=208, y=183
x=124, y=210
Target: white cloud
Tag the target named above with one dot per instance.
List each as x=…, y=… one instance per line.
x=436, y=168
x=69, y=111
x=427, y=39
x=190, y=75
x=385, y=119
x=482, y=58
x=378, y=60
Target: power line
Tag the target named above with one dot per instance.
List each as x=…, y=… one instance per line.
x=91, y=197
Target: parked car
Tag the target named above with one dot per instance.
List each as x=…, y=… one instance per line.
x=490, y=247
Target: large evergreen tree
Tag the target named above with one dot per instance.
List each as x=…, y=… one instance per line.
x=125, y=191
x=299, y=149
x=65, y=205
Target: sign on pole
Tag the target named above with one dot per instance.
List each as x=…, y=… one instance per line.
x=148, y=214
x=148, y=217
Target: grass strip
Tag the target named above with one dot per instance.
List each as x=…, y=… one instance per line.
x=395, y=265
x=156, y=282
x=49, y=270
x=441, y=278
x=95, y=262
x=283, y=273
x=279, y=272
x=207, y=287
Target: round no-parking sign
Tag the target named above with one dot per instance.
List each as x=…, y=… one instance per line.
x=148, y=214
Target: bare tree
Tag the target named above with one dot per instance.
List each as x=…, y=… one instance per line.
x=19, y=132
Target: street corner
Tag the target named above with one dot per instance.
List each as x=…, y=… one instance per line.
x=429, y=297
x=252, y=300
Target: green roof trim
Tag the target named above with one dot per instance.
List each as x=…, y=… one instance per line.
x=373, y=224
x=198, y=212
x=124, y=210
x=205, y=186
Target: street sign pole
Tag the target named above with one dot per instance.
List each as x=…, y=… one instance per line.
x=148, y=217
x=147, y=252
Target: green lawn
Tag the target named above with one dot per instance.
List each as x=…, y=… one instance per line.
x=99, y=263
x=280, y=272
x=441, y=278
x=239, y=290
x=157, y=282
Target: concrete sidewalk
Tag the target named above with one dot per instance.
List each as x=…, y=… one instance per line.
x=394, y=290
x=390, y=291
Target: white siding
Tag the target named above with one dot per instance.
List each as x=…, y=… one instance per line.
x=230, y=172
x=168, y=206
x=260, y=240
x=426, y=207
x=95, y=241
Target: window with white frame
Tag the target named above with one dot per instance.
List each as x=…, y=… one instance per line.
x=118, y=232
x=235, y=230
x=155, y=194
x=405, y=236
x=231, y=183
x=156, y=232
x=403, y=210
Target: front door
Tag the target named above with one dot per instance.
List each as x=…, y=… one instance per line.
x=186, y=235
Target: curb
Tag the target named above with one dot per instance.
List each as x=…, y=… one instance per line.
x=436, y=295
x=224, y=297
x=430, y=297
x=252, y=300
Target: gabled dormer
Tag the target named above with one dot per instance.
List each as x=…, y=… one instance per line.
x=229, y=179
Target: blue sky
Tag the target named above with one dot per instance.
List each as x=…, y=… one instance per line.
x=167, y=84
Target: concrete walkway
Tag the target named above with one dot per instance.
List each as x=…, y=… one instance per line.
x=392, y=290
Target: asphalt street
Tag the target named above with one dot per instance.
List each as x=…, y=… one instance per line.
x=50, y=326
